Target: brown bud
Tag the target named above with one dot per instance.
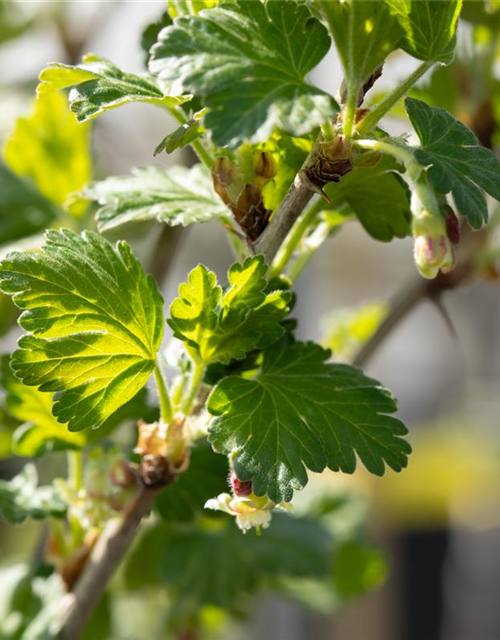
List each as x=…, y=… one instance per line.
x=334, y=160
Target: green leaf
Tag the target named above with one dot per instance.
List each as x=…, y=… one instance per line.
x=183, y=501
x=364, y=32
x=95, y=323
x=239, y=57
x=301, y=411
x=99, y=85
x=219, y=327
x=176, y=196
x=149, y=35
x=377, y=197
x=454, y=160
x=21, y=498
x=429, y=27
x=357, y=569
x=215, y=564
x=181, y=137
x=51, y=149
x=40, y=431
x=23, y=211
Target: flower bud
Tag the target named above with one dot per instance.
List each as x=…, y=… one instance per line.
x=240, y=487
x=452, y=225
x=432, y=254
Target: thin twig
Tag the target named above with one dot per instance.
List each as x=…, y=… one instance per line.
x=109, y=551
x=406, y=300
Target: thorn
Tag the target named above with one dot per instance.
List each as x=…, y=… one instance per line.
x=443, y=311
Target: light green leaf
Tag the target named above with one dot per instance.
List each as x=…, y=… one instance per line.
x=364, y=32
x=99, y=85
x=429, y=27
x=220, y=327
x=95, y=323
x=240, y=59
x=51, y=149
x=378, y=197
x=40, y=431
x=23, y=210
x=176, y=196
x=454, y=159
x=347, y=330
x=21, y=498
x=301, y=412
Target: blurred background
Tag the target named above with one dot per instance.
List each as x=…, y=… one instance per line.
x=437, y=523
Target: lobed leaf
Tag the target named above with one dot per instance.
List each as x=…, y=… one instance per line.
x=220, y=327
x=239, y=58
x=454, y=160
x=302, y=412
x=95, y=323
x=99, y=85
x=175, y=196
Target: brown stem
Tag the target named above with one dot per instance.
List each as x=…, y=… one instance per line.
x=297, y=198
x=406, y=300
x=108, y=552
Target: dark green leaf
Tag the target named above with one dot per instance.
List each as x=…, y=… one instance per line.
x=99, y=85
x=149, y=35
x=215, y=564
x=220, y=327
x=95, y=320
x=454, y=159
x=23, y=211
x=377, y=197
x=176, y=196
x=21, y=498
x=429, y=27
x=239, y=57
x=206, y=477
x=299, y=412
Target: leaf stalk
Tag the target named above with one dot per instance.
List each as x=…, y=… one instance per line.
x=373, y=117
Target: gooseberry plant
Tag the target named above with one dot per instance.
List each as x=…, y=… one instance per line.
x=282, y=165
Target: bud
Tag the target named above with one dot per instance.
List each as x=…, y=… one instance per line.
x=433, y=254
x=452, y=225
x=433, y=250
x=240, y=487
x=265, y=168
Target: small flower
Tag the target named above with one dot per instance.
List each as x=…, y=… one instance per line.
x=250, y=511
